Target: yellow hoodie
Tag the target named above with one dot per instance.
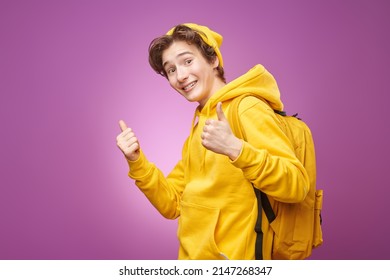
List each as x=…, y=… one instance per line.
x=213, y=196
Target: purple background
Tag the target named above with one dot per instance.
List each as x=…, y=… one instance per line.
x=70, y=70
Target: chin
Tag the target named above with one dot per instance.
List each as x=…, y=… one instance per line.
x=191, y=100
x=190, y=97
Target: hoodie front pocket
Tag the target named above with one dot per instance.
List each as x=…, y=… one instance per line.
x=196, y=232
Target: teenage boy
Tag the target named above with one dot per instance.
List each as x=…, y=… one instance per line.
x=210, y=190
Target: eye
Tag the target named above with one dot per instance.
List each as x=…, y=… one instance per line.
x=170, y=71
x=188, y=61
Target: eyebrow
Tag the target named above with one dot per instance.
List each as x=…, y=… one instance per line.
x=179, y=55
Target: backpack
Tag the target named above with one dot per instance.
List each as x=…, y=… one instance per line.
x=296, y=226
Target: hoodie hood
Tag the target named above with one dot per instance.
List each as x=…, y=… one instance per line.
x=257, y=81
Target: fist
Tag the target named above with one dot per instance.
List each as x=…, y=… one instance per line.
x=218, y=137
x=127, y=142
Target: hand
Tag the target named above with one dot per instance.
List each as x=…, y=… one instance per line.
x=127, y=142
x=218, y=137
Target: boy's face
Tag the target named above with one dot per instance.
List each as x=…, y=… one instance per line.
x=189, y=73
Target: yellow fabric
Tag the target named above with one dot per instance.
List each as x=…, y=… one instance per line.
x=297, y=226
x=213, y=196
x=210, y=37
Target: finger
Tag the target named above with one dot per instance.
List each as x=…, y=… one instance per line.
x=127, y=136
x=220, y=113
x=204, y=135
x=205, y=127
x=122, y=125
x=131, y=149
x=126, y=144
x=131, y=142
x=208, y=122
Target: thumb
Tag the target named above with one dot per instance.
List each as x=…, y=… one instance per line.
x=122, y=125
x=220, y=113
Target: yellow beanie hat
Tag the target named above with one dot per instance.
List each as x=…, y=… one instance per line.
x=210, y=37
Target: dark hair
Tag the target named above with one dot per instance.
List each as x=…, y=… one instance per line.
x=181, y=33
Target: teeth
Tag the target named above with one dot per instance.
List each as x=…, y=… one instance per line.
x=189, y=86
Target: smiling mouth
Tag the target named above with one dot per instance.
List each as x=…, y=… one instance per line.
x=189, y=86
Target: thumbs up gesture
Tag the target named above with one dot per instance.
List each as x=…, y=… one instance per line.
x=127, y=142
x=218, y=137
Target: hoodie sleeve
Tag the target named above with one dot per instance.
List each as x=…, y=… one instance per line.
x=267, y=158
x=163, y=192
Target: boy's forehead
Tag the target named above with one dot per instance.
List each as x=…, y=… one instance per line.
x=176, y=50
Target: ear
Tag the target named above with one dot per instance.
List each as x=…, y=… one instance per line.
x=216, y=62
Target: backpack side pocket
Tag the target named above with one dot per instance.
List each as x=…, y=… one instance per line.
x=317, y=234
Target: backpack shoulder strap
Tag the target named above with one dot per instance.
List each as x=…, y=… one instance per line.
x=263, y=202
x=234, y=118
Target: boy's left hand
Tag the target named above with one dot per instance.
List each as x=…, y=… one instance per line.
x=218, y=137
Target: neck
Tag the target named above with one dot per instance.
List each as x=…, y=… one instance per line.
x=217, y=86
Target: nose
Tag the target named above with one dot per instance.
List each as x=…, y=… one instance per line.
x=181, y=74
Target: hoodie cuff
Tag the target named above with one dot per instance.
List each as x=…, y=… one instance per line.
x=250, y=159
x=140, y=167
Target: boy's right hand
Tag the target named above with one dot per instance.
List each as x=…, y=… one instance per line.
x=127, y=142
